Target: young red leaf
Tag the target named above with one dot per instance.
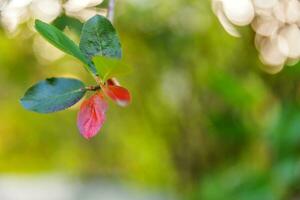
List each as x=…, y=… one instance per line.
x=118, y=94
x=113, y=81
x=91, y=115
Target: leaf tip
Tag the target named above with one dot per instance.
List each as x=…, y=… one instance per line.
x=119, y=94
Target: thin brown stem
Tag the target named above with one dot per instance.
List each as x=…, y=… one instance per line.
x=111, y=10
x=93, y=88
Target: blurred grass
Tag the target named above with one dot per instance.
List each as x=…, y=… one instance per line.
x=206, y=122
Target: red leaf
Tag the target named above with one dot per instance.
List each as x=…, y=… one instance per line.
x=113, y=81
x=91, y=115
x=119, y=94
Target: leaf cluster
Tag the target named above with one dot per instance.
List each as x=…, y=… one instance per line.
x=100, y=52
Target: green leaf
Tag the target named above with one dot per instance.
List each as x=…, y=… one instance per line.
x=64, y=21
x=110, y=67
x=53, y=94
x=99, y=38
x=62, y=42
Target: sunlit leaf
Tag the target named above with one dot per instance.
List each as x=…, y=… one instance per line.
x=110, y=67
x=62, y=42
x=53, y=94
x=99, y=38
x=91, y=115
x=118, y=94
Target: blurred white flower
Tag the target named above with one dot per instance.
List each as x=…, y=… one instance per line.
x=45, y=51
x=46, y=10
x=17, y=4
x=77, y=5
x=275, y=22
x=15, y=12
x=271, y=53
x=264, y=4
x=83, y=10
x=266, y=25
x=239, y=12
x=219, y=12
x=87, y=13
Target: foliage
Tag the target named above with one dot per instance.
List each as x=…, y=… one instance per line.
x=99, y=38
x=206, y=123
x=53, y=94
x=110, y=67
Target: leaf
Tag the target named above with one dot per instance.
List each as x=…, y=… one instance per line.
x=53, y=94
x=62, y=42
x=112, y=81
x=118, y=94
x=64, y=21
x=99, y=38
x=91, y=115
x=110, y=67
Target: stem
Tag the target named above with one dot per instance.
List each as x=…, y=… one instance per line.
x=93, y=88
x=110, y=16
x=98, y=80
x=111, y=10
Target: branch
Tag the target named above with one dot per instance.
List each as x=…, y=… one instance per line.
x=111, y=10
x=93, y=88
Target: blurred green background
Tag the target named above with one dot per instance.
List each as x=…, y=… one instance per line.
x=205, y=122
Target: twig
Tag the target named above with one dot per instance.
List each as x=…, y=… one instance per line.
x=93, y=88
x=111, y=10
